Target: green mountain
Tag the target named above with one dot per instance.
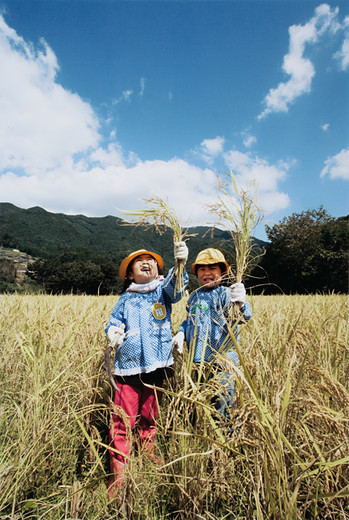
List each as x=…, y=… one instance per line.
x=42, y=234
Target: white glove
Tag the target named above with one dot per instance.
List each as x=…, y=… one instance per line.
x=116, y=335
x=181, y=252
x=177, y=343
x=238, y=293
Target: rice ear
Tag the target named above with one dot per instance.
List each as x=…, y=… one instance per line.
x=162, y=215
x=237, y=211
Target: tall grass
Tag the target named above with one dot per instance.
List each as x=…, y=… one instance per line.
x=287, y=455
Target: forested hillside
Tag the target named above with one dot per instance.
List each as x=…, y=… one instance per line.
x=76, y=240
x=307, y=252
x=46, y=235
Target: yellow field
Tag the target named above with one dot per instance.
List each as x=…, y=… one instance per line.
x=287, y=459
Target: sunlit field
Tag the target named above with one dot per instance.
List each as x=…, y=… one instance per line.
x=284, y=455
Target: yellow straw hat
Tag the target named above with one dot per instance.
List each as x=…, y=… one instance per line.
x=207, y=257
x=125, y=263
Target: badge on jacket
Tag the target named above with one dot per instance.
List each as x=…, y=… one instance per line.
x=159, y=311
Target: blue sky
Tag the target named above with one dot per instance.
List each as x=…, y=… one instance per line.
x=104, y=103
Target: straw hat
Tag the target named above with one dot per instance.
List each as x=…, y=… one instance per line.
x=207, y=257
x=126, y=262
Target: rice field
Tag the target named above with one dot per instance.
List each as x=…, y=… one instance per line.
x=284, y=455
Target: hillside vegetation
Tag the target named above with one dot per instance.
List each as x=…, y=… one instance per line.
x=307, y=252
x=46, y=235
x=81, y=254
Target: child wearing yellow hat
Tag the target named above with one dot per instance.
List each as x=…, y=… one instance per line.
x=140, y=325
x=208, y=313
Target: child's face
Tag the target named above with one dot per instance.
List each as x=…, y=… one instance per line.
x=209, y=275
x=144, y=269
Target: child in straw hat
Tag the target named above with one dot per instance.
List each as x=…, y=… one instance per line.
x=141, y=325
x=209, y=310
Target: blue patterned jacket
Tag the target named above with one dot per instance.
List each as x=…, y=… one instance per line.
x=147, y=320
x=205, y=327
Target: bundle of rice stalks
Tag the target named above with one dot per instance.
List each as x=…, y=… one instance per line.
x=162, y=216
x=238, y=213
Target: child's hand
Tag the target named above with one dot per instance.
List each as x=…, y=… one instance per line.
x=238, y=293
x=116, y=335
x=177, y=343
x=180, y=252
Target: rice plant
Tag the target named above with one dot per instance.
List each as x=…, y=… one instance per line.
x=283, y=455
x=238, y=212
x=162, y=216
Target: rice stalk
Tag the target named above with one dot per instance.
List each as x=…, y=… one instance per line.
x=288, y=459
x=162, y=216
x=237, y=211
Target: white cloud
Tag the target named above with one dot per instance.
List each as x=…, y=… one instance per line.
x=142, y=82
x=273, y=201
x=52, y=154
x=101, y=190
x=249, y=141
x=105, y=157
x=50, y=136
x=125, y=96
x=343, y=54
x=250, y=169
x=337, y=167
x=325, y=127
x=211, y=148
x=295, y=65
x=41, y=124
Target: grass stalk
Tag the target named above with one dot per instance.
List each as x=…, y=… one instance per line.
x=162, y=216
x=287, y=456
x=238, y=213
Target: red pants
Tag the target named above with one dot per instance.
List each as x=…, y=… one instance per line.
x=140, y=406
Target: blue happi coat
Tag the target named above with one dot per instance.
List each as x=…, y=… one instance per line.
x=205, y=327
x=147, y=320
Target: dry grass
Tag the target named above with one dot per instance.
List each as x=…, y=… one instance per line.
x=162, y=216
x=237, y=211
x=288, y=456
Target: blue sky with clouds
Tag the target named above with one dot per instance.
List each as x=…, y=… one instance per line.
x=104, y=103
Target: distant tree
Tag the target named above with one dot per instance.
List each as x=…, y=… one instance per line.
x=44, y=273
x=74, y=277
x=111, y=282
x=7, y=241
x=79, y=277
x=308, y=252
x=7, y=275
x=334, y=255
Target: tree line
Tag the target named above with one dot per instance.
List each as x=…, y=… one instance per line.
x=307, y=252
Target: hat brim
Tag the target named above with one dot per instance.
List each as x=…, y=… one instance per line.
x=126, y=262
x=208, y=262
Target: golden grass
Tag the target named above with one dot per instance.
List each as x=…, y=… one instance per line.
x=162, y=216
x=288, y=456
x=238, y=212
